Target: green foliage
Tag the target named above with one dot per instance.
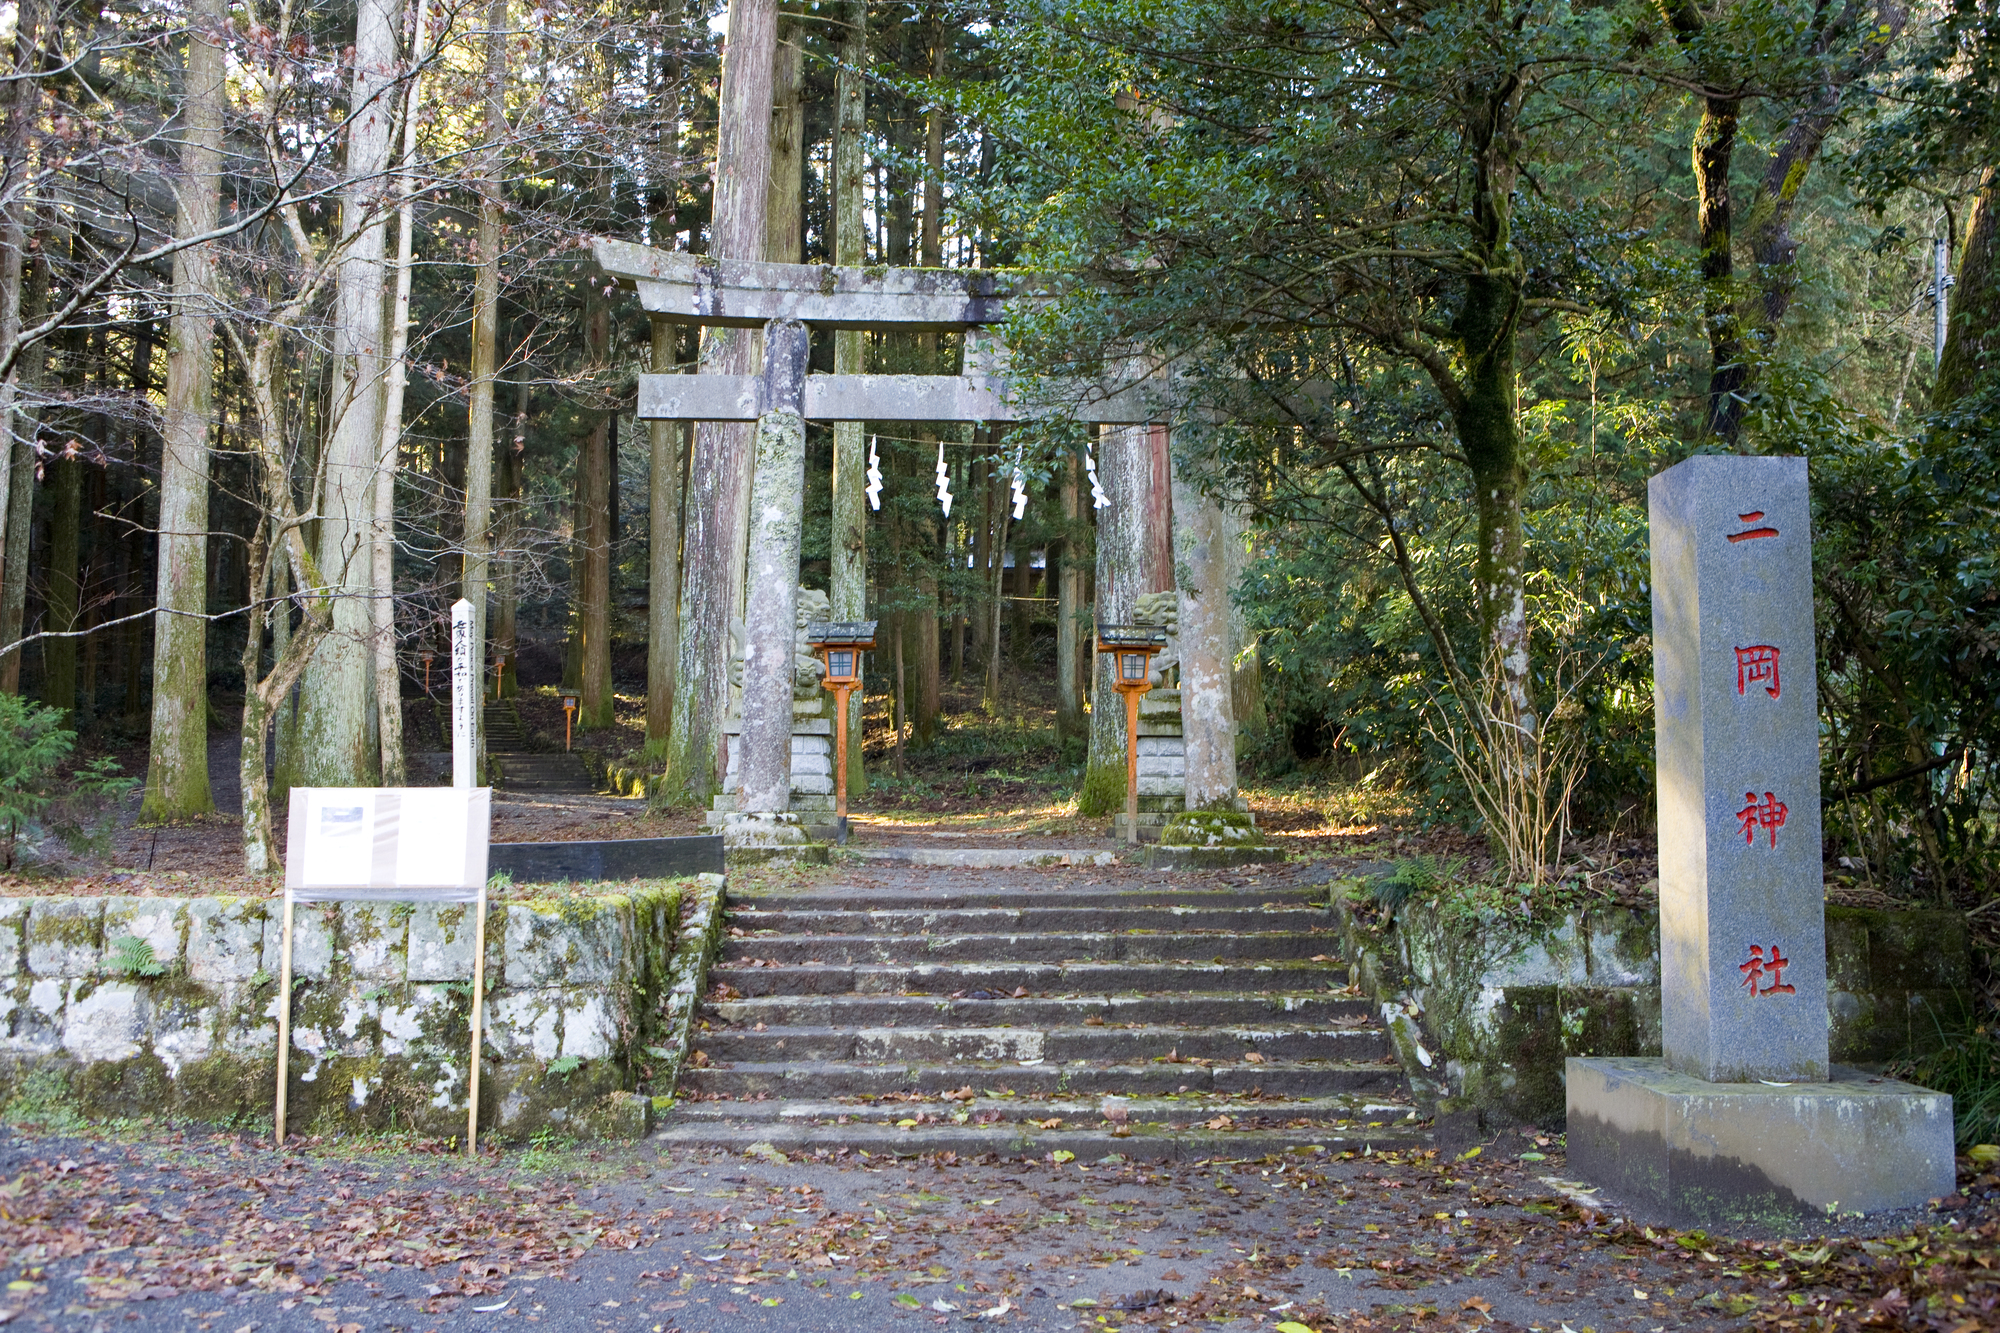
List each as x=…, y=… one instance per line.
x=32, y=743
x=1966, y=1064
x=43, y=1101
x=130, y=956
x=84, y=814
x=546, y=1150
x=1417, y=877
x=1907, y=566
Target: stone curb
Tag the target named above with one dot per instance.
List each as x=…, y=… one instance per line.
x=1088, y=1145
x=687, y=980
x=985, y=858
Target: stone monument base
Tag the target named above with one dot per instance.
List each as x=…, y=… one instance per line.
x=1691, y=1152
x=751, y=838
x=1166, y=856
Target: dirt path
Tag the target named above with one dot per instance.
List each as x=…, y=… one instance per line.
x=220, y=1233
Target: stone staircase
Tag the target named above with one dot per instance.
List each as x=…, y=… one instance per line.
x=525, y=770
x=1014, y=1012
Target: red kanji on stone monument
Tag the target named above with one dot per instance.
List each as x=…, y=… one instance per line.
x=1760, y=968
x=1751, y=534
x=1757, y=664
x=1768, y=814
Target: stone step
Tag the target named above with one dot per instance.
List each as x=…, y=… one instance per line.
x=1349, y=1109
x=1117, y=1045
x=1031, y=947
x=1005, y=977
x=989, y=920
x=1088, y=1145
x=1009, y=890
x=795, y=1079
x=1246, y=1009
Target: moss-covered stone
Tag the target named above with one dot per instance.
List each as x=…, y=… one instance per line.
x=381, y=1020
x=1498, y=1002
x=1103, y=790
x=1211, y=828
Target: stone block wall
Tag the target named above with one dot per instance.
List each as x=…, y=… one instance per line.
x=812, y=769
x=1483, y=1011
x=167, y=1006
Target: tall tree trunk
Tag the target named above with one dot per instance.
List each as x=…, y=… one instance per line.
x=663, y=609
x=929, y=700
x=1073, y=551
x=18, y=106
x=1772, y=245
x=784, y=210
x=1124, y=551
x=505, y=639
x=388, y=678
x=335, y=744
x=997, y=602
x=848, y=573
x=132, y=598
x=65, y=591
x=716, y=522
x=14, y=583
x=1021, y=606
x=593, y=463
x=980, y=492
x=177, y=757
x=1972, y=339
x=485, y=357
x=1484, y=404
x=21, y=496
x=1714, y=148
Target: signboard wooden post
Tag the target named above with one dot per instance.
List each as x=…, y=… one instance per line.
x=347, y=844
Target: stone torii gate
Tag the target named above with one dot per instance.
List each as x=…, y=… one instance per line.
x=785, y=301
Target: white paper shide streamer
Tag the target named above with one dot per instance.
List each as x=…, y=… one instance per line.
x=943, y=481
x=1098, y=499
x=874, y=487
x=1020, y=488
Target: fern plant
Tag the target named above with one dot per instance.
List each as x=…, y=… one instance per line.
x=130, y=956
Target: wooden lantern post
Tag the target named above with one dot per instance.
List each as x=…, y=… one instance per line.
x=571, y=701
x=1131, y=648
x=840, y=644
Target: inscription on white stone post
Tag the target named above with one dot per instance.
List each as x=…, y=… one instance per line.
x=1736, y=712
x=465, y=691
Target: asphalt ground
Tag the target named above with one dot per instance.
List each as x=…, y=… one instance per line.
x=195, y=1231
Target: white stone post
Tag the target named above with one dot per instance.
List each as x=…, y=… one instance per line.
x=466, y=687
x=1736, y=713
x=777, y=499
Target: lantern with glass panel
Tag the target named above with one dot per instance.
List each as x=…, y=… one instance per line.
x=839, y=644
x=1131, y=649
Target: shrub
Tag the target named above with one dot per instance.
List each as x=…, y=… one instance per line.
x=32, y=742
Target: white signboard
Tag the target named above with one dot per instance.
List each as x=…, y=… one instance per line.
x=388, y=844
x=400, y=844
x=465, y=697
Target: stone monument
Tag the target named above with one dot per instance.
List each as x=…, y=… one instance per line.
x=1744, y=1118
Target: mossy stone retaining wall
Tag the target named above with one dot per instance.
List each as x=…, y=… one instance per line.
x=1483, y=1010
x=167, y=1006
